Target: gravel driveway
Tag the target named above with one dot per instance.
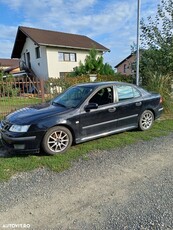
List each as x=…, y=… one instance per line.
x=126, y=188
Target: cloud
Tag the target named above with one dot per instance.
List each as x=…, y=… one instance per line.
x=112, y=23
x=6, y=46
x=80, y=5
x=7, y=31
x=7, y=38
x=13, y=4
x=94, y=15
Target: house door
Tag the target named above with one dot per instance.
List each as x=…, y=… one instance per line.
x=28, y=60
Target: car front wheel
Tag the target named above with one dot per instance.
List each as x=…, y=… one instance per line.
x=57, y=140
x=146, y=120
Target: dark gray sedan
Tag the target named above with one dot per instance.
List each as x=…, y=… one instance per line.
x=81, y=113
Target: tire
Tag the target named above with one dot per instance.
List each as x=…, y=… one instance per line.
x=57, y=140
x=146, y=120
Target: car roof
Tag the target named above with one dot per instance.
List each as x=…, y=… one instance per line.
x=110, y=83
x=104, y=83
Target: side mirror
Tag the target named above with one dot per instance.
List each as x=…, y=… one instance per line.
x=91, y=106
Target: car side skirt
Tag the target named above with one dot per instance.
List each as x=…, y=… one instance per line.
x=105, y=134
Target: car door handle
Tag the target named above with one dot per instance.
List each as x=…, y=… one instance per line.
x=138, y=103
x=111, y=110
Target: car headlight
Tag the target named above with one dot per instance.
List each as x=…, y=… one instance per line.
x=19, y=128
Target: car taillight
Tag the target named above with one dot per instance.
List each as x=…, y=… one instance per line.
x=161, y=100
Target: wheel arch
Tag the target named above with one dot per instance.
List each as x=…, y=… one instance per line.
x=145, y=123
x=150, y=109
x=44, y=145
x=66, y=126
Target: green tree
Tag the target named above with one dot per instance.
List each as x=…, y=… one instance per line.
x=107, y=70
x=93, y=64
x=157, y=42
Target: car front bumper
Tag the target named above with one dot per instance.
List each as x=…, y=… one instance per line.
x=21, y=143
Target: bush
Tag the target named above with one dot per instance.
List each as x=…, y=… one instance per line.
x=55, y=86
x=7, y=86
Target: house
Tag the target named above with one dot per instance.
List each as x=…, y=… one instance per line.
x=127, y=65
x=9, y=65
x=52, y=54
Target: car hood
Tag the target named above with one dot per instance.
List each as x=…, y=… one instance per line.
x=35, y=113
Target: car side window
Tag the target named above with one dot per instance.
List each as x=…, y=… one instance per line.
x=126, y=92
x=103, y=96
x=136, y=93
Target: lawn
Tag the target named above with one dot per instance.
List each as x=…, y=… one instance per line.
x=9, y=104
x=11, y=165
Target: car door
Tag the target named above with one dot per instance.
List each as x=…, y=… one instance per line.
x=129, y=106
x=102, y=120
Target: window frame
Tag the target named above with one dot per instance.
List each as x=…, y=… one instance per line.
x=125, y=68
x=37, y=52
x=67, y=57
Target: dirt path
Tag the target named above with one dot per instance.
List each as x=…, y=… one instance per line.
x=129, y=188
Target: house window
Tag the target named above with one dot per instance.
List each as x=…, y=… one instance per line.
x=37, y=52
x=63, y=56
x=125, y=68
x=66, y=57
x=60, y=56
x=63, y=74
x=72, y=57
x=24, y=57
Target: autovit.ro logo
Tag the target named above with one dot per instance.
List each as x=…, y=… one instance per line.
x=16, y=226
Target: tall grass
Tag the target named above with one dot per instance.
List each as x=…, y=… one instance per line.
x=162, y=84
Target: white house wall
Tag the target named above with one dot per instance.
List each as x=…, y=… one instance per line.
x=55, y=66
x=38, y=65
x=48, y=65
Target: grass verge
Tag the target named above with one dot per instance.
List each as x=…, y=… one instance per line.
x=10, y=104
x=11, y=165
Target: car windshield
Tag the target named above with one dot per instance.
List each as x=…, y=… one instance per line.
x=73, y=97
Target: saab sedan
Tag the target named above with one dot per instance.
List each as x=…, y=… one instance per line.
x=81, y=113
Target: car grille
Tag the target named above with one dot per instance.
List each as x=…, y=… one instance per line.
x=5, y=125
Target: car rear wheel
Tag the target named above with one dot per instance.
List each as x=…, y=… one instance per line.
x=146, y=120
x=57, y=140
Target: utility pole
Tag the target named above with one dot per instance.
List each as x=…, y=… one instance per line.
x=138, y=39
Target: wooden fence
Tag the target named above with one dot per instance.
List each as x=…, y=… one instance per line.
x=15, y=94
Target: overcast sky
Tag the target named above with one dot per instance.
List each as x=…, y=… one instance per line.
x=109, y=22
